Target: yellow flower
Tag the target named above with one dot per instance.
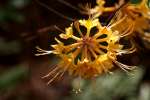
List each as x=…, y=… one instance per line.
x=138, y=15
x=142, y=22
x=141, y=8
x=131, y=19
x=93, y=52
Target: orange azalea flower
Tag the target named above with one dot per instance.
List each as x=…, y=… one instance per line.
x=93, y=52
x=129, y=17
x=134, y=18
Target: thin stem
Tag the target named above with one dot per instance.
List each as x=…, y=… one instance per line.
x=54, y=11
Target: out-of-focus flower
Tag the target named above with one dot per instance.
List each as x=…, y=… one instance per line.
x=93, y=52
x=131, y=17
x=97, y=10
x=137, y=14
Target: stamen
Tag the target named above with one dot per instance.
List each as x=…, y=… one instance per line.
x=126, y=51
x=101, y=40
x=76, y=52
x=124, y=67
x=42, y=52
x=76, y=24
x=63, y=72
x=98, y=50
x=51, y=72
x=60, y=76
x=118, y=22
x=116, y=13
x=93, y=53
x=128, y=31
x=51, y=80
x=103, y=47
x=85, y=51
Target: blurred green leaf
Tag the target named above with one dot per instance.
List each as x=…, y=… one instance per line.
x=10, y=15
x=145, y=92
x=149, y=3
x=11, y=47
x=13, y=76
x=112, y=87
x=135, y=1
x=10, y=11
x=19, y=3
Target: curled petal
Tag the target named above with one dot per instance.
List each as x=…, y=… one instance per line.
x=68, y=34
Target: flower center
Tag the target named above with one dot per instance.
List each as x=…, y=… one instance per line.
x=87, y=41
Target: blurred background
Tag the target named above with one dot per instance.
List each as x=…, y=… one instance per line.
x=24, y=24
